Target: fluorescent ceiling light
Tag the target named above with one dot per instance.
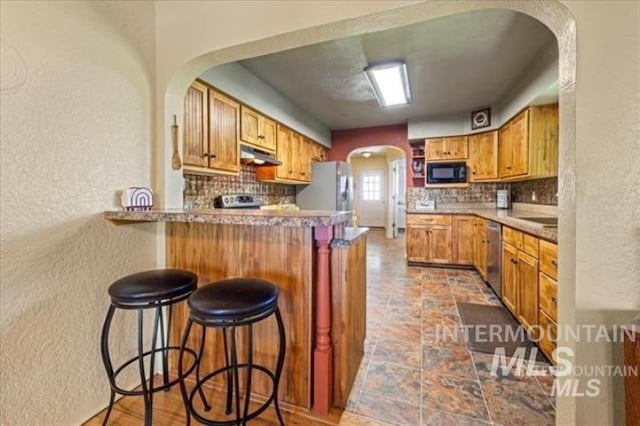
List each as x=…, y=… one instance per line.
x=390, y=83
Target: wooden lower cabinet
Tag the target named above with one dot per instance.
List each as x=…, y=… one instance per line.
x=417, y=244
x=480, y=247
x=510, y=277
x=439, y=237
x=549, y=333
x=527, y=290
x=429, y=239
x=463, y=240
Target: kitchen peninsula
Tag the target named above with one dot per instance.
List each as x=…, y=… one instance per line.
x=318, y=263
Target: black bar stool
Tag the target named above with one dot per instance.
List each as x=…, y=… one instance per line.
x=229, y=304
x=153, y=289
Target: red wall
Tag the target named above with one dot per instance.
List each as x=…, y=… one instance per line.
x=345, y=141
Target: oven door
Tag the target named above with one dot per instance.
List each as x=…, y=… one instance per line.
x=446, y=172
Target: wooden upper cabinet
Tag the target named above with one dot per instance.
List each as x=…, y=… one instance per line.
x=307, y=159
x=283, y=152
x=268, y=133
x=449, y=148
x=436, y=149
x=520, y=144
x=256, y=129
x=458, y=147
x=295, y=164
x=528, y=144
x=463, y=240
x=543, y=140
x=483, y=156
x=224, y=132
x=195, y=148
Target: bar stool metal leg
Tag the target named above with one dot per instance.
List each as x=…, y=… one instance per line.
x=229, y=375
x=281, y=351
x=164, y=343
x=106, y=359
x=207, y=407
x=183, y=388
x=154, y=339
x=143, y=379
x=249, y=371
x=234, y=367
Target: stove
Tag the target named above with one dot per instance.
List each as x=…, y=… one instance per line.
x=237, y=201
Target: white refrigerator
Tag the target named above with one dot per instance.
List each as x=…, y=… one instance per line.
x=331, y=188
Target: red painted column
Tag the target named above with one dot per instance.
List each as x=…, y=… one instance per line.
x=323, y=351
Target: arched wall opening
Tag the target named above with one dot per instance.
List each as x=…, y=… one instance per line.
x=388, y=164
x=172, y=87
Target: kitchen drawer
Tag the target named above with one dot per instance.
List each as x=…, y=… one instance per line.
x=512, y=237
x=530, y=245
x=549, y=259
x=428, y=219
x=549, y=332
x=548, y=298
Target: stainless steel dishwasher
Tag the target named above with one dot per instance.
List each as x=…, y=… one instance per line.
x=494, y=256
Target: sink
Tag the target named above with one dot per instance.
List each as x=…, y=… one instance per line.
x=546, y=222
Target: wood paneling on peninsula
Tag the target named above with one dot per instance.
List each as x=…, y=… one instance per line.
x=282, y=255
x=349, y=295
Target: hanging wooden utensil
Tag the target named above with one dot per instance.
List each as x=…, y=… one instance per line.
x=175, y=159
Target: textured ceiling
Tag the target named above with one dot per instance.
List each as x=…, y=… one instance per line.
x=455, y=64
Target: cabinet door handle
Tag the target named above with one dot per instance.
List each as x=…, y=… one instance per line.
x=205, y=155
x=554, y=263
x=554, y=300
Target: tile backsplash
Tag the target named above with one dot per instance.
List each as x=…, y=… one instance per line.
x=475, y=193
x=539, y=191
x=203, y=189
x=521, y=192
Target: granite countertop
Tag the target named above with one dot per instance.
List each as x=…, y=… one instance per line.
x=300, y=218
x=349, y=236
x=505, y=217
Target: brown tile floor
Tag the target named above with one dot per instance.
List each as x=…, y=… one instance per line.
x=408, y=376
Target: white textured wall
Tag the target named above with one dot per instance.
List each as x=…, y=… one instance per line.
x=242, y=84
x=76, y=125
x=608, y=186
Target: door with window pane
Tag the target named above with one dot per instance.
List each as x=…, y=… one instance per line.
x=372, y=198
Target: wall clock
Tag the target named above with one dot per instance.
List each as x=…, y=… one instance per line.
x=481, y=118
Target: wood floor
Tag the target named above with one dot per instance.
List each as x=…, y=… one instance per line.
x=168, y=410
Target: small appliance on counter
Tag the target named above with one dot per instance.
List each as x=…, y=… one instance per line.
x=237, y=201
x=137, y=199
x=503, y=199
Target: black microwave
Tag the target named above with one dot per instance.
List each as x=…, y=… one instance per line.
x=446, y=172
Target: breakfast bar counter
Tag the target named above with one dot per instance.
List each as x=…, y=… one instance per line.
x=319, y=264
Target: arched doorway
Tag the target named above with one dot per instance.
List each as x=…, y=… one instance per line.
x=553, y=14
x=379, y=187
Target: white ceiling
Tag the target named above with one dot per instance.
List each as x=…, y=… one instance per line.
x=456, y=64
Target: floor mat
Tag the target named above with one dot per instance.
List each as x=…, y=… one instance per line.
x=489, y=327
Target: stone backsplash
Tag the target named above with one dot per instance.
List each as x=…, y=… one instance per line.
x=539, y=191
x=475, y=193
x=203, y=189
x=521, y=192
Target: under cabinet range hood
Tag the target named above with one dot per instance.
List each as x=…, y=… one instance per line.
x=256, y=157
